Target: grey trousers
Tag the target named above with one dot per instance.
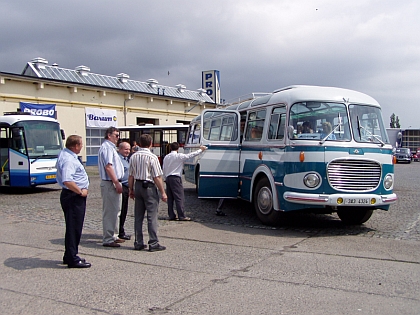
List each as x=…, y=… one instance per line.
x=175, y=192
x=111, y=203
x=146, y=202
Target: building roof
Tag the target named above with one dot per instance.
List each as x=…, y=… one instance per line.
x=39, y=68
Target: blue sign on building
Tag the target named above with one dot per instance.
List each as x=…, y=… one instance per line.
x=46, y=110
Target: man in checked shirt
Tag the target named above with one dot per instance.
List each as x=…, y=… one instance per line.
x=144, y=181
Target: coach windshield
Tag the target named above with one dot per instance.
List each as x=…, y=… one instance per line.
x=367, y=124
x=319, y=121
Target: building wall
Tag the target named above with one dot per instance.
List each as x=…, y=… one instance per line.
x=71, y=102
x=411, y=139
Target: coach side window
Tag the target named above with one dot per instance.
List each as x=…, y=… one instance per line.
x=221, y=127
x=277, y=123
x=255, y=126
x=194, y=134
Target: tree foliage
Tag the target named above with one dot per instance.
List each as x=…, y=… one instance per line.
x=395, y=121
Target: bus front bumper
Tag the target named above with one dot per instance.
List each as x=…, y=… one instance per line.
x=351, y=200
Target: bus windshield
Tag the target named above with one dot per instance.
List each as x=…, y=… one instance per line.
x=43, y=138
x=321, y=121
x=367, y=124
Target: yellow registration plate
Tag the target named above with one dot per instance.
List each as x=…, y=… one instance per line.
x=50, y=176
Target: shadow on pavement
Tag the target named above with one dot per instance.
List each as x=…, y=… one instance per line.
x=24, y=263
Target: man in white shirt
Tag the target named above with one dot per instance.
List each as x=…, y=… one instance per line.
x=172, y=173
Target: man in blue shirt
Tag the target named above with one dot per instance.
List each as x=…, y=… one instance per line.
x=72, y=177
x=124, y=151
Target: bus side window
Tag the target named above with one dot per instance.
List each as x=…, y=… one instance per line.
x=196, y=134
x=277, y=123
x=214, y=134
x=229, y=131
x=280, y=131
x=274, y=123
x=18, y=142
x=255, y=125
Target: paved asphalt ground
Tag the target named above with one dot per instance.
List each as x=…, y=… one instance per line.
x=312, y=264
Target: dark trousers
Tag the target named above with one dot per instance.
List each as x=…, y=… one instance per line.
x=74, y=208
x=146, y=202
x=124, y=210
x=175, y=193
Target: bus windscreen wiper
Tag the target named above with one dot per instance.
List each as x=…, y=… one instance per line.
x=359, y=126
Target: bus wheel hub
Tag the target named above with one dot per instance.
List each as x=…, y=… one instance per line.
x=265, y=200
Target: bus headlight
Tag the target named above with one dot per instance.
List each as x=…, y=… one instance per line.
x=388, y=181
x=311, y=180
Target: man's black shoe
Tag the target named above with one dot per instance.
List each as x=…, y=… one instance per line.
x=80, y=264
x=125, y=237
x=65, y=262
x=141, y=247
x=156, y=248
x=112, y=244
x=220, y=213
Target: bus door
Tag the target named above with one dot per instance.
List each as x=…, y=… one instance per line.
x=15, y=166
x=219, y=164
x=158, y=145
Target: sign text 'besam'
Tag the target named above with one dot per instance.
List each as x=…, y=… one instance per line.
x=93, y=117
x=102, y=118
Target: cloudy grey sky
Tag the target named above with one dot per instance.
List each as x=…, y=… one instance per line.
x=372, y=46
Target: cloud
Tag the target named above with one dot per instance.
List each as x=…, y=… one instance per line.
x=258, y=46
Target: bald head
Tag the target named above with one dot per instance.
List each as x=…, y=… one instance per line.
x=124, y=148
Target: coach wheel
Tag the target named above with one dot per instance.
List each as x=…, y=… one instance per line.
x=197, y=180
x=354, y=216
x=263, y=204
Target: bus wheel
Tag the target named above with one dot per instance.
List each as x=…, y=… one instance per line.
x=354, y=216
x=263, y=204
x=197, y=180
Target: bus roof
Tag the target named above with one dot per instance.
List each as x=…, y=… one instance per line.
x=12, y=119
x=300, y=93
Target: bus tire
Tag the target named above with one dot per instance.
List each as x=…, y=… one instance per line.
x=263, y=204
x=354, y=216
x=197, y=180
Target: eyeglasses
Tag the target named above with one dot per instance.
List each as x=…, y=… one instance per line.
x=116, y=135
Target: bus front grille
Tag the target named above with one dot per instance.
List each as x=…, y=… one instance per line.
x=354, y=175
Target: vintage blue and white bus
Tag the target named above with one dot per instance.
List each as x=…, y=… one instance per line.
x=300, y=148
x=29, y=146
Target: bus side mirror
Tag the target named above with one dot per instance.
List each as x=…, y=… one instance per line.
x=63, y=135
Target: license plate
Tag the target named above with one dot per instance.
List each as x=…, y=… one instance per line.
x=50, y=176
x=357, y=201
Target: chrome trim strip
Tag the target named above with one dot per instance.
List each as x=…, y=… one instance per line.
x=219, y=176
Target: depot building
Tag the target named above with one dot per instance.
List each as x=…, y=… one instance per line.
x=86, y=103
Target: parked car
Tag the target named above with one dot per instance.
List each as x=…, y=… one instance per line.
x=414, y=157
x=403, y=155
